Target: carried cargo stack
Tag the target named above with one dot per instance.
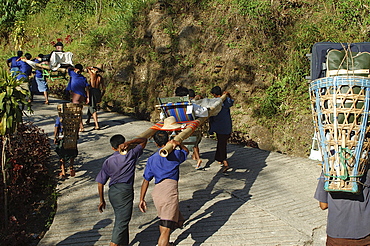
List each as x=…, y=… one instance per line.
x=340, y=99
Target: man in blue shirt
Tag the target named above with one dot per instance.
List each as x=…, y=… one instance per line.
x=221, y=124
x=120, y=169
x=24, y=72
x=165, y=171
x=78, y=85
x=348, y=213
x=12, y=63
x=42, y=85
x=24, y=69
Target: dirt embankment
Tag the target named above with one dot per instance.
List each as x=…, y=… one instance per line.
x=177, y=45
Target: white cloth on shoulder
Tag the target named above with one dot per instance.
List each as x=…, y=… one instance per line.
x=215, y=104
x=60, y=58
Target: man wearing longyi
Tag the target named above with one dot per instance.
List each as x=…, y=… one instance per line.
x=348, y=214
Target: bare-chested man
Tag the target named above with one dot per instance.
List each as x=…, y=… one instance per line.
x=97, y=89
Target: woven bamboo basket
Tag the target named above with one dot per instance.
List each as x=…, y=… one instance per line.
x=340, y=109
x=71, y=114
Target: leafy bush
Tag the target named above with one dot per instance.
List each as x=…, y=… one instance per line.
x=28, y=151
x=12, y=11
x=12, y=102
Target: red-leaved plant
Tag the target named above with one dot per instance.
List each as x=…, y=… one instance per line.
x=28, y=151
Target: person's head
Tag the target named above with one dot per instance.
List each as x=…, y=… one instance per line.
x=161, y=138
x=19, y=53
x=97, y=70
x=116, y=140
x=181, y=91
x=40, y=56
x=58, y=46
x=216, y=91
x=191, y=93
x=100, y=68
x=79, y=67
x=28, y=56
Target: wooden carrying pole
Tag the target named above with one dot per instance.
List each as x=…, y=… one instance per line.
x=148, y=133
x=186, y=133
x=39, y=66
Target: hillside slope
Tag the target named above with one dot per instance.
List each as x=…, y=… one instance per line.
x=253, y=49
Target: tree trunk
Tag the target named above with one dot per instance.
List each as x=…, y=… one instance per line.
x=98, y=8
x=3, y=170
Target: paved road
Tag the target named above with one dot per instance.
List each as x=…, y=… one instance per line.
x=267, y=198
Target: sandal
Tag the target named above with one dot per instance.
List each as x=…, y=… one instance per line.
x=225, y=168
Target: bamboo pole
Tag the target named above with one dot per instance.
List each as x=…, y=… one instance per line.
x=167, y=149
x=39, y=66
x=180, y=138
x=147, y=134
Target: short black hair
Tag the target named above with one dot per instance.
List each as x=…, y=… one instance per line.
x=216, y=90
x=161, y=138
x=181, y=91
x=79, y=67
x=41, y=56
x=116, y=140
x=191, y=93
x=19, y=53
x=28, y=56
x=58, y=44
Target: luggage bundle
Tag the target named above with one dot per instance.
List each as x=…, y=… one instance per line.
x=340, y=99
x=70, y=114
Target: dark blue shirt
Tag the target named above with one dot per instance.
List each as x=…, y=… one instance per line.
x=120, y=168
x=38, y=72
x=348, y=213
x=13, y=61
x=24, y=68
x=77, y=83
x=222, y=123
x=161, y=168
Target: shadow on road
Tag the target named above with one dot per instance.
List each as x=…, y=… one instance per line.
x=93, y=235
x=210, y=208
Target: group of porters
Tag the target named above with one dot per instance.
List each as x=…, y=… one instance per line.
x=340, y=100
